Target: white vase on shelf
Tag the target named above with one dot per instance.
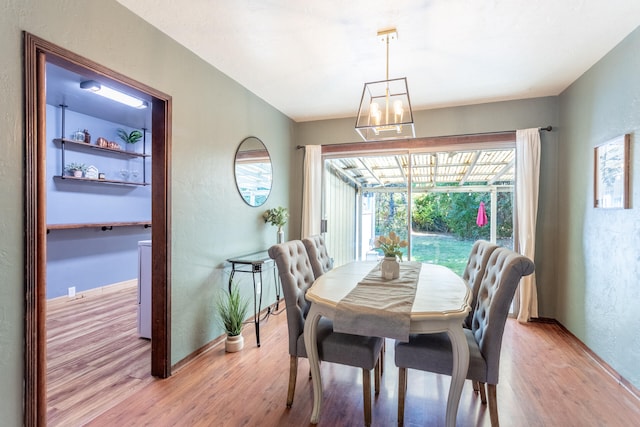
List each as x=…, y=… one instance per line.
x=390, y=268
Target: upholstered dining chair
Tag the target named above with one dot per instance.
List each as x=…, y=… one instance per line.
x=432, y=352
x=472, y=275
x=320, y=260
x=474, y=271
x=363, y=352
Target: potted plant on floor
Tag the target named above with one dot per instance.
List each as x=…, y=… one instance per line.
x=232, y=311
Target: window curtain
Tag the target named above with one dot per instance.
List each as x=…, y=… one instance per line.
x=526, y=201
x=312, y=191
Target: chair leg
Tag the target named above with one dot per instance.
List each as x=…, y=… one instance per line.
x=402, y=390
x=377, y=372
x=476, y=387
x=366, y=395
x=293, y=373
x=493, y=405
x=483, y=394
x=382, y=352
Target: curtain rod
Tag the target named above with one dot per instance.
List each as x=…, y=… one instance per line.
x=546, y=128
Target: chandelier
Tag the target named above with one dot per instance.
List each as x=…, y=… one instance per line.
x=385, y=108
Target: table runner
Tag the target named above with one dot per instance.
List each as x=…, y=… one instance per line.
x=380, y=307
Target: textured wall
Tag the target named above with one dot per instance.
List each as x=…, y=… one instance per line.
x=211, y=115
x=599, y=261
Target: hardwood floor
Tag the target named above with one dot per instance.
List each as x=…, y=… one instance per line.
x=546, y=379
x=94, y=355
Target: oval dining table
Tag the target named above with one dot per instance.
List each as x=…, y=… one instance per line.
x=442, y=301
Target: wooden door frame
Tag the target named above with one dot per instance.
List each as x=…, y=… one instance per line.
x=36, y=53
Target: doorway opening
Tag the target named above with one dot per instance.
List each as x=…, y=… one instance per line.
x=37, y=54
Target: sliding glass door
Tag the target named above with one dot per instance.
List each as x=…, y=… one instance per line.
x=441, y=201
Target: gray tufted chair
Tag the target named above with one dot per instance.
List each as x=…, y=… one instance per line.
x=474, y=271
x=320, y=260
x=296, y=277
x=432, y=352
x=472, y=275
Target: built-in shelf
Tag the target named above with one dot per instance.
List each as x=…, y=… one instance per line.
x=102, y=225
x=99, y=181
x=83, y=145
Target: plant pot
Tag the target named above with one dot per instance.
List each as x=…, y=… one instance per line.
x=77, y=174
x=234, y=343
x=390, y=268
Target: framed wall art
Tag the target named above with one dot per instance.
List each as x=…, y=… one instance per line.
x=611, y=174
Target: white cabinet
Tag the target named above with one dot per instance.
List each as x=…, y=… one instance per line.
x=144, y=288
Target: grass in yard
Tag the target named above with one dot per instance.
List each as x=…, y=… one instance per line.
x=441, y=249
x=445, y=249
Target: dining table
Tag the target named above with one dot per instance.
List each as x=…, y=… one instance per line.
x=441, y=302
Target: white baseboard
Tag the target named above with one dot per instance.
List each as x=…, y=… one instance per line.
x=92, y=293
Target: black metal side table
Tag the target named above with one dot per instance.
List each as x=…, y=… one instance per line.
x=255, y=264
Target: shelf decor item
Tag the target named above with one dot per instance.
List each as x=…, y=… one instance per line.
x=76, y=170
x=78, y=136
x=232, y=311
x=390, y=246
x=91, y=172
x=131, y=138
x=278, y=217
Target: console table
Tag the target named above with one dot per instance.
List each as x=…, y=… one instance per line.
x=255, y=264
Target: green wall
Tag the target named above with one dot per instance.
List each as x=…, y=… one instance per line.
x=211, y=115
x=598, y=249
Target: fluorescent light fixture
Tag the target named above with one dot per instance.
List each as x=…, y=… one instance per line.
x=113, y=94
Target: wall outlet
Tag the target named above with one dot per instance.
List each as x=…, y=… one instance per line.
x=72, y=292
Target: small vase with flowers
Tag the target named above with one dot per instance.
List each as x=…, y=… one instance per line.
x=391, y=246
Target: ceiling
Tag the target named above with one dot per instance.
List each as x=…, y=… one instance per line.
x=310, y=59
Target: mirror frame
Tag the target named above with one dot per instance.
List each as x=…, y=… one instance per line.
x=252, y=154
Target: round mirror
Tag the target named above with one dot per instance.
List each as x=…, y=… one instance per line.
x=253, y=171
